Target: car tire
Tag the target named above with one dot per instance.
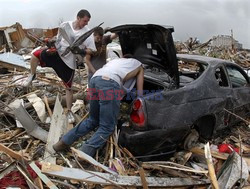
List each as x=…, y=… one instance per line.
x=191, y=140
x=205, y=127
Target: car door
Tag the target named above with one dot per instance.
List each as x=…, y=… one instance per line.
x=221, y=76
x=239, y=82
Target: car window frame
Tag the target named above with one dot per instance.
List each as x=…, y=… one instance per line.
x=241, y=71
x=222, y=66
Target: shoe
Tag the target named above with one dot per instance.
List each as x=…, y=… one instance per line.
x=29, y=80
x=70, y=117
x=60, y=146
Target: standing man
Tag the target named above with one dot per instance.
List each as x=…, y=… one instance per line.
x=105, y=91
x=64, y=66
x=97, y=59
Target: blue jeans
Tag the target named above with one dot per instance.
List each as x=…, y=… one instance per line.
x=104, y=110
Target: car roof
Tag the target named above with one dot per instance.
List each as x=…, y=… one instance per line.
x=202, y=59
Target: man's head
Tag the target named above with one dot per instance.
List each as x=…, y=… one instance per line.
x=83, y=17
x=98, y=34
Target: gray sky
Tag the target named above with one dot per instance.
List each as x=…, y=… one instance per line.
x=190, y=18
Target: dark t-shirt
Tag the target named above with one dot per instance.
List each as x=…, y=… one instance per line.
x=98, y=59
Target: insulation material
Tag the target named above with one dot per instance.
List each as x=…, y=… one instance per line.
x=77, y=105
x=15, y=104
x=39, y=106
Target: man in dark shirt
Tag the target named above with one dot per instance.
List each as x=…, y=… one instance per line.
x=98, y=58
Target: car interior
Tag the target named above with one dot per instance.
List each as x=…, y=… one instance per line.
x=189, y=71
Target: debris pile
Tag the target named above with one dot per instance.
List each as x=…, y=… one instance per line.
x=192, y=46
x=33, y=119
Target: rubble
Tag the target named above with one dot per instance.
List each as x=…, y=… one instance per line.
x=192, y=46
x=33, y=119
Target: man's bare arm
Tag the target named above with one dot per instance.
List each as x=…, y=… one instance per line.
x=140, y=81
x=113, y=36
x=139, y=74
x=89, y=64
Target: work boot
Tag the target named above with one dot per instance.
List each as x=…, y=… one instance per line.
x=29, y=80
x=70, y=117
x=60, y=146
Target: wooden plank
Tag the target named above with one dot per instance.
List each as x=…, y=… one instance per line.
x=24, y=172
x=215, y=154
x=44, y=178
x=72, y=173
x=38, y=182
x=91, y=160
x=10, y=134
x=175, y=166
x=12, y=153
x=13, y=67
x=143, y=178
x=45, y=99
x=107, y=179
x=118, y=166
x=171, y=172
x=183, y=169
x=58, y=127
x=210, y=166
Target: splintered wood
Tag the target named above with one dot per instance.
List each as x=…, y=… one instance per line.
x=32, y=119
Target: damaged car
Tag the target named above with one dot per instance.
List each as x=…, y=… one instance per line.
x=186, y=97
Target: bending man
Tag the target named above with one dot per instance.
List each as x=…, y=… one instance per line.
x=105, y=94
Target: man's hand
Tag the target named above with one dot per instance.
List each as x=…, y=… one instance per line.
x=77, y=50
x=88, y=51
x=50, y=43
